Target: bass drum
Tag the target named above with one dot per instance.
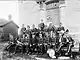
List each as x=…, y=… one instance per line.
x=51, y=53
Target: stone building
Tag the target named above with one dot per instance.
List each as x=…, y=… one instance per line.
x=6, y=27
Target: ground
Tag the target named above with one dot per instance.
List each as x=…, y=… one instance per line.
x=23, y=57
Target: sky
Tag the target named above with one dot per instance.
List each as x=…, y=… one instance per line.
x=9, y=7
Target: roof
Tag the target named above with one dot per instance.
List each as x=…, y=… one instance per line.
x=4, y=22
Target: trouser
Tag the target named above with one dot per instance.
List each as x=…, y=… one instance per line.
x=46, y=48
x=18, y=49
x=23, y=49
x=61, y=46
x=29, y=49
x=69, y=47
x=11, y=48
x=34, y=48
x=42, y=49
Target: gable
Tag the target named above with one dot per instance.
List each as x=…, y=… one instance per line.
x=12, y=23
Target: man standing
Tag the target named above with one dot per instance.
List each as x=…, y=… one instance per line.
x=60, y=27
x=28, y=30
x=23, y=29
x=34, y=29
x=11, y=37
x=42, y=25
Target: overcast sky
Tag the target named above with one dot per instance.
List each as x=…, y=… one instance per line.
x=9, y=7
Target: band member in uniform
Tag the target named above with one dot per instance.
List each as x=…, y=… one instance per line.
x=70, y=45
x=18, y=48
x=42, y=25
x=34, y=29
x=28, y=33
x=11, y=47
x=11, y=38
x=23, y=31
x=51, y=27
x=70, y=41
x=37, y=41
x=33, y=43
x=62, y=41
x=28, y=29
x=60, y=27
x=29, y=36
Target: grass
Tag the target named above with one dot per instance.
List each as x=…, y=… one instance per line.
x=22, y=56
x=12, y=57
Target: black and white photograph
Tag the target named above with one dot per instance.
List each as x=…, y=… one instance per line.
x=39, y=29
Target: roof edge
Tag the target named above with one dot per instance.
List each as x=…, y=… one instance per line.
x=10, y=22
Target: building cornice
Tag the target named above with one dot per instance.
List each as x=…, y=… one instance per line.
x=51, y=1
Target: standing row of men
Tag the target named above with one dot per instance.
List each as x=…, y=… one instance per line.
x=42, y=26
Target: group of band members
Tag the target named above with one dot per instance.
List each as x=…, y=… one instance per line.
x=40, y=39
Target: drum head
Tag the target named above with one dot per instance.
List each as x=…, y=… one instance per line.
x=51, y=53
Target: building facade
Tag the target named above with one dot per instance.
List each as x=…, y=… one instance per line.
x=53, y=11
x=31, y=12
x=7, y=27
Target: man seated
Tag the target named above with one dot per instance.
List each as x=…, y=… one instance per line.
x=62, y=42
x=70, y=43
x=66, y=41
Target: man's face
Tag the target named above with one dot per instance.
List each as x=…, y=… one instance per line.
x=33, y=26
x=60, y=24
x=28, y=27
x=22, y=25
x=41, y=21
